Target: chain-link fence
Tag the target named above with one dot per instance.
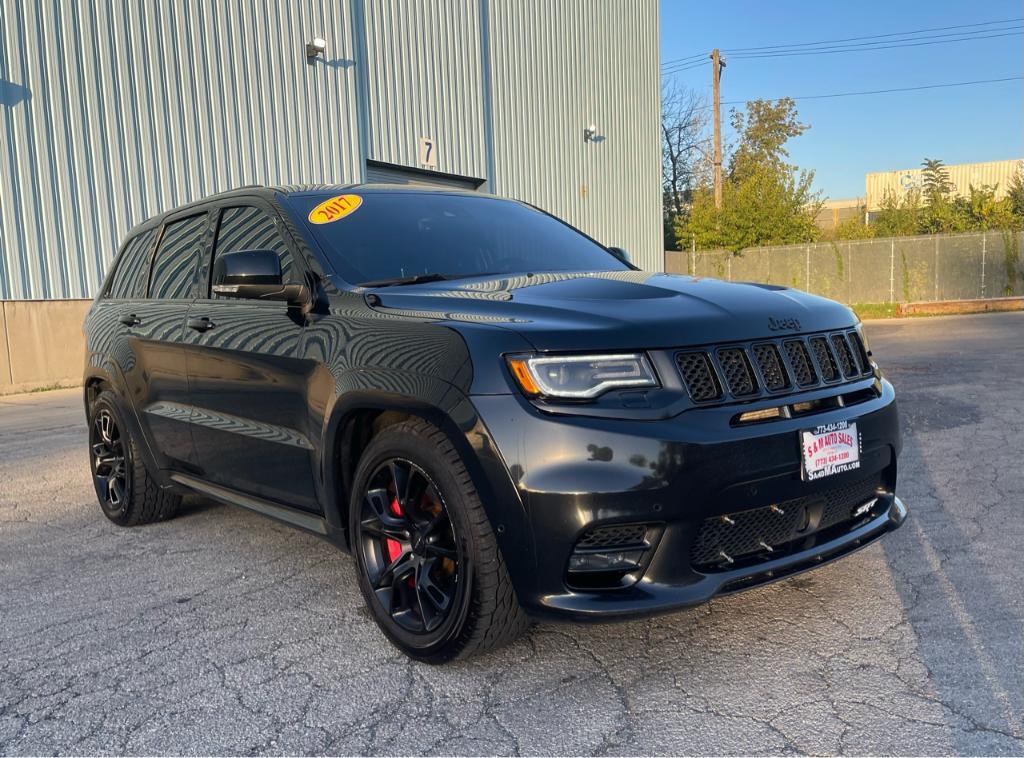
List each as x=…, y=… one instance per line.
x=889, y=270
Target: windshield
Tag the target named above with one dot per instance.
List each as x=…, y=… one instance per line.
x=395, y=235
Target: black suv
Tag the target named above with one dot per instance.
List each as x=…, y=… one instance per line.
x=498, y=416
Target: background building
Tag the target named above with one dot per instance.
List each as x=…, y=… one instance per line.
x=111, y=112
x=962, y=175
x=835, y=212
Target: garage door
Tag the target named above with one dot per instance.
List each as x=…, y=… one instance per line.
x=383, y=173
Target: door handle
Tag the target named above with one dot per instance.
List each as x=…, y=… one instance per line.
x=130, y=319
x=201, y=324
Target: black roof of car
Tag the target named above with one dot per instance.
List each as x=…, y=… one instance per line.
x=269, y=191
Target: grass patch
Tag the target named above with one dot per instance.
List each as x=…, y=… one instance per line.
x=876, y=310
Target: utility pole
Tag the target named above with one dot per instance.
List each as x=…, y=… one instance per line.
x=717, y=64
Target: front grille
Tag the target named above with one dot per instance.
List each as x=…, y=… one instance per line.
x=801, y=362
x=699, y=376
x=738, y=376
x=822, y=354
x=747, y=535
x=845, y=355
x=860, y=352
x=770, y=363
x=725, y=373
x=615, y=536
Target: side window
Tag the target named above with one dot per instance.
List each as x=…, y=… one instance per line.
x=175, y=262
x=250, y=228
x=132, y=267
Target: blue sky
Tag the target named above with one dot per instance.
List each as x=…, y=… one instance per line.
x=854, y=135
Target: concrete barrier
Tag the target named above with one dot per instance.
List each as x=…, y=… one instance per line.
x=42, y=344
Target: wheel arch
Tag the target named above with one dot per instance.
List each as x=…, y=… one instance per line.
x=94, y=383
x=357, y=418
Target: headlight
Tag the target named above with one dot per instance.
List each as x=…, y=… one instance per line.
x=580, y=376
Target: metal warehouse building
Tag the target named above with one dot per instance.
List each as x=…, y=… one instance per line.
x=113, y=111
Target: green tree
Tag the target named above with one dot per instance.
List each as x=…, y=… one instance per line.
x=980, y=210
x=937, y=185
x=853, y=228
x=765, y=200
x=684, y=151
x=898, y=216
x=763, y=131
x=1015, y=195
x=941, y=213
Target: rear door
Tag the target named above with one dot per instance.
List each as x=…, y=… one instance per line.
x=112, y=318
x=159, y=383
x=247, y=376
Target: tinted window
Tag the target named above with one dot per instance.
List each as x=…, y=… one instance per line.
x=175, y=262
x=401, y=234
x=132, y=267
x=250, y=228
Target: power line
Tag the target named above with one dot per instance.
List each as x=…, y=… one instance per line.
x=879, y=37
x=887, y=91
x=788, y=54
x=674, y=61
x=698, y=64
x=977, y=34
x=784, y=54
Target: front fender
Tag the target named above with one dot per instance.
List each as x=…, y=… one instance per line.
x=450, y=410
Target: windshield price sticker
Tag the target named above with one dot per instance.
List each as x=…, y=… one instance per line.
x=336, y=208
x=829, y=449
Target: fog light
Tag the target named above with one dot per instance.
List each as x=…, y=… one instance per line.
x=618, y=560
x=762, y=415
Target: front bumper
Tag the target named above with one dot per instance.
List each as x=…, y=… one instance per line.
x=651, y=596
x=573, y=473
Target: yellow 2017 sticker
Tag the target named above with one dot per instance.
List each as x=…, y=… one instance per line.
x=336, y=208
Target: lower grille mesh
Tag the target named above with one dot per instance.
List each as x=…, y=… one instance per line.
x=775, y=526
x=615, y=536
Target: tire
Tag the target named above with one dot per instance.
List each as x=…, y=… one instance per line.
x=409, y=560
x=127, y=492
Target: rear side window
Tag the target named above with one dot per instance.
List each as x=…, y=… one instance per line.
x=130, y=275
x=250, y=228
x=175, y=263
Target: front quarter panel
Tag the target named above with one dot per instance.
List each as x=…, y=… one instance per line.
x=369, y=360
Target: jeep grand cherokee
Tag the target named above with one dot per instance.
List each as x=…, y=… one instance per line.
x=498, y=416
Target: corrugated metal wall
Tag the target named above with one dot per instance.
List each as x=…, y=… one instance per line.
x=557, y=68
x=425, y=80
x=113, y=111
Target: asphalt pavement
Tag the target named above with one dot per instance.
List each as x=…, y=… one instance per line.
x=223, y=632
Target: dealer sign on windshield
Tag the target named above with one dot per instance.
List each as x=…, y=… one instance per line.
x=829, y=449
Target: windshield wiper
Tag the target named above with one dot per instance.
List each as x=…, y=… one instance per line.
x=398, y=281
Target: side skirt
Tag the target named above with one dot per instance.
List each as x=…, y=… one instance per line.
x=305, y=521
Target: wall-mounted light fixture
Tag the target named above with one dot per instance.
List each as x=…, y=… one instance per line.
x=590, y=133
x=315, y=47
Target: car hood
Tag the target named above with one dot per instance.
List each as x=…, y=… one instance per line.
x=620, y=309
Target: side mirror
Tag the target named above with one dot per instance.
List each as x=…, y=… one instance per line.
x=622, y=255
x=254, y=275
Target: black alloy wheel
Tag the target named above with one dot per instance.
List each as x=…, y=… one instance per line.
x=412, y=560
x=111, y=467
x=128, y=493
x=428, y=563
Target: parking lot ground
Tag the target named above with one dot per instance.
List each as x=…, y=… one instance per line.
x=223, y=632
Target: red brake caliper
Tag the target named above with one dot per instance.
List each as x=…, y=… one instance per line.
x=393, y=546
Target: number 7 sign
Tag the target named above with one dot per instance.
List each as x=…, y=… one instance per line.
x=428, y=152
